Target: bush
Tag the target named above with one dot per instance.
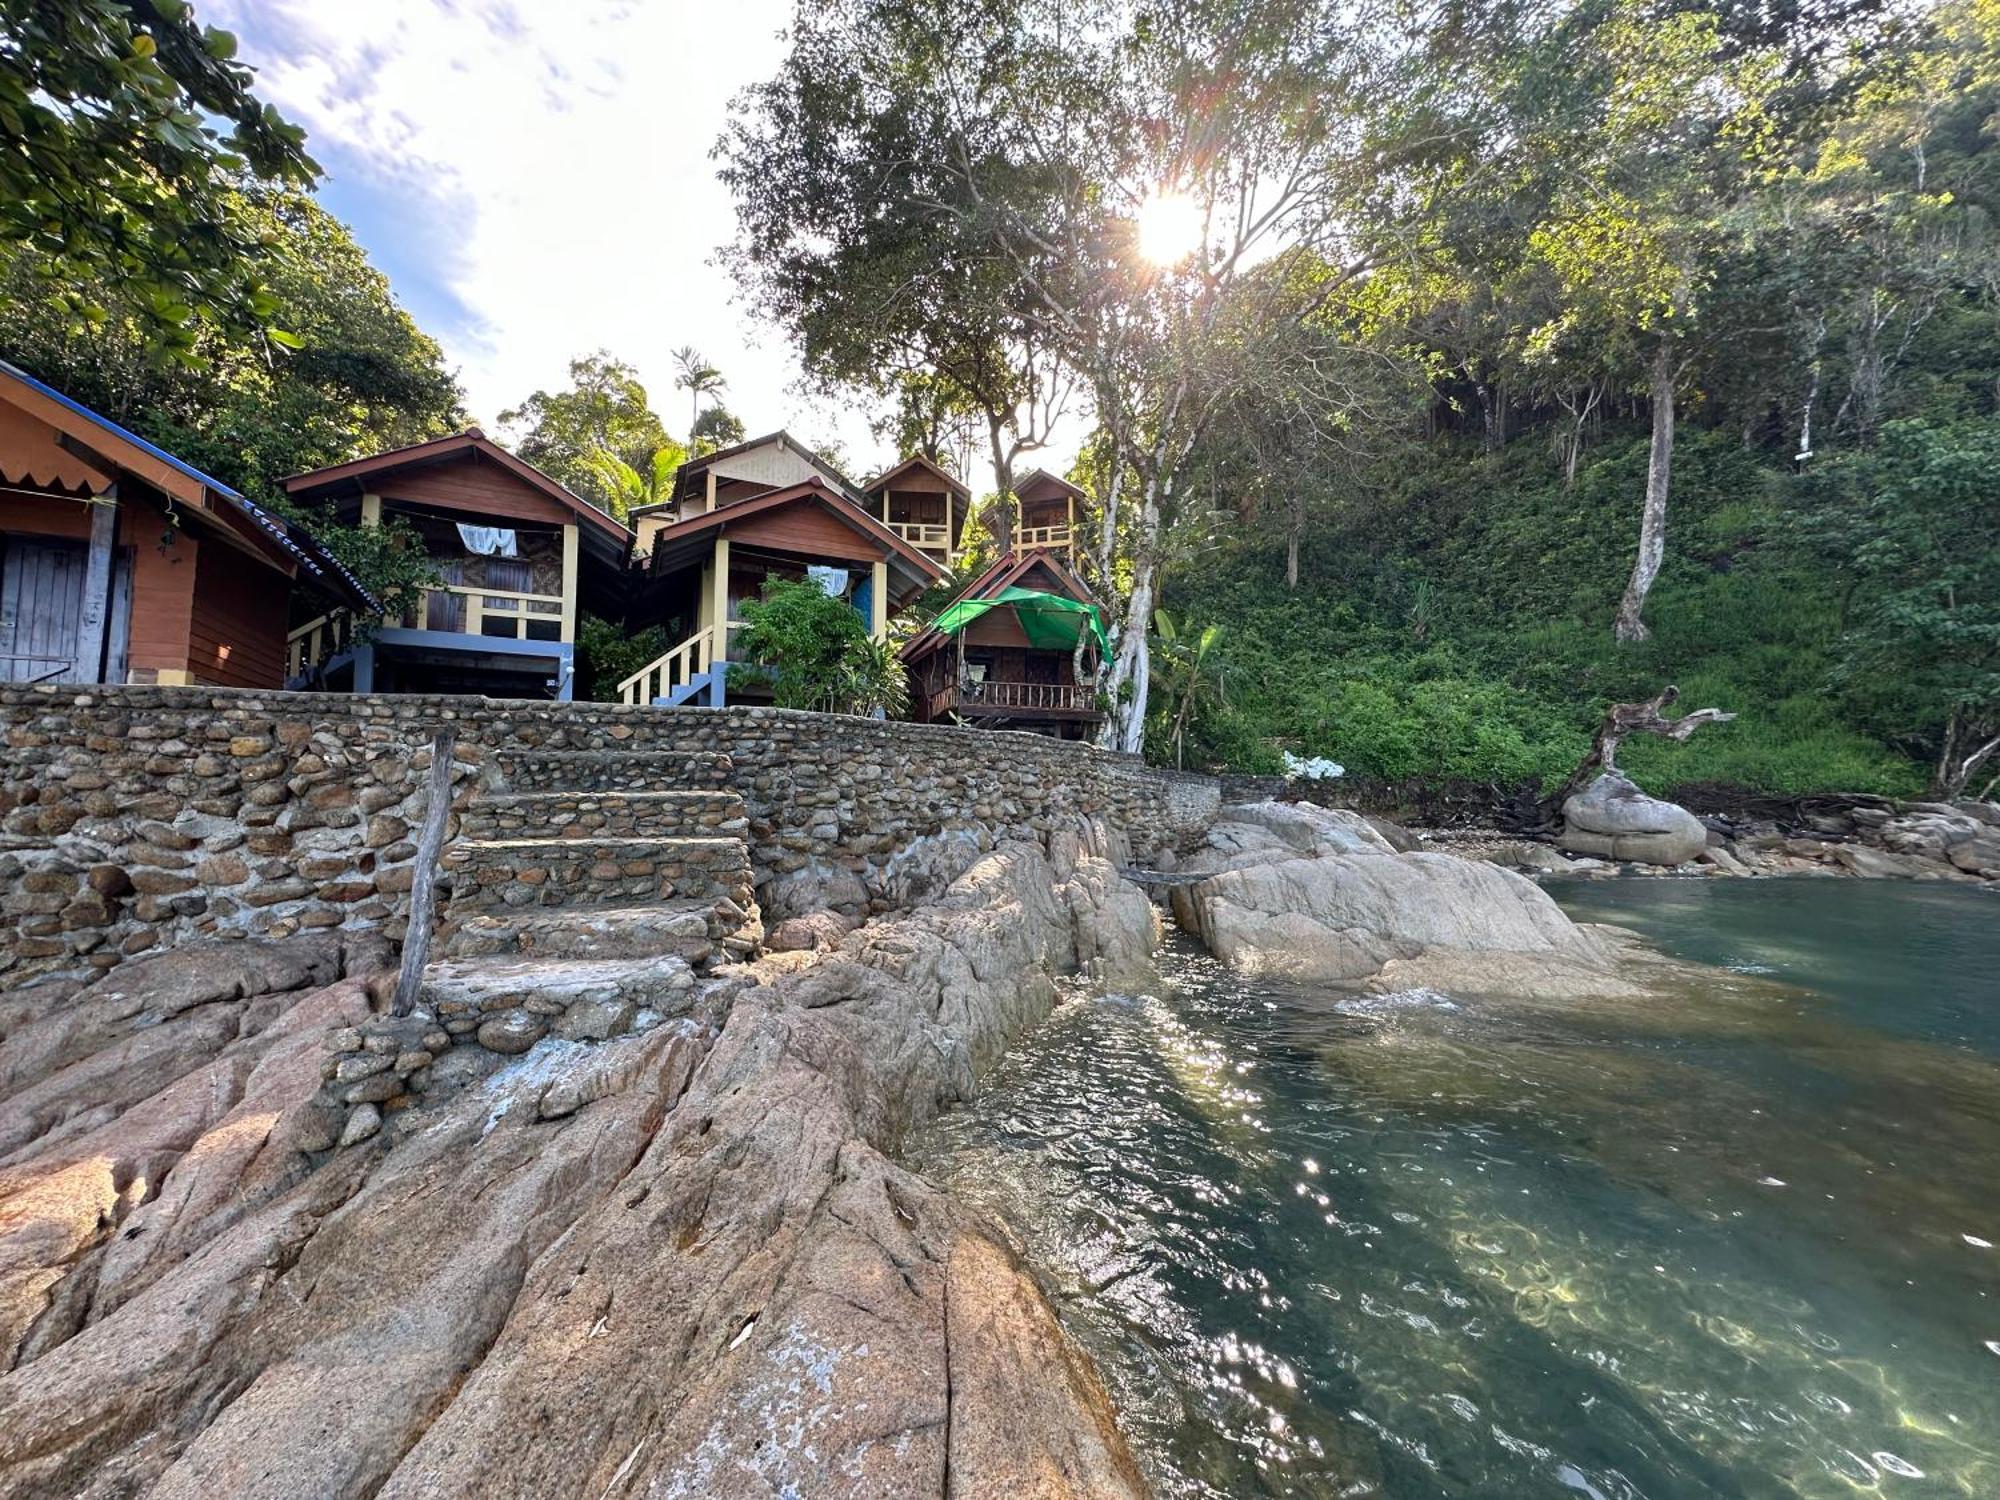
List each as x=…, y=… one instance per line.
x=816, y=653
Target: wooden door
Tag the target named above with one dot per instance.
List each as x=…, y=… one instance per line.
x=41, y=610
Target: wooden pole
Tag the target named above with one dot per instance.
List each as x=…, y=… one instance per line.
x=423, y=887
x=91, y=631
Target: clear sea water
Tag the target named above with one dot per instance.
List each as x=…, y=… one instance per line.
x=1740, y=1242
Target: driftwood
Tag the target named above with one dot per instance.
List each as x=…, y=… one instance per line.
x=1626, y=719
x=423, y=887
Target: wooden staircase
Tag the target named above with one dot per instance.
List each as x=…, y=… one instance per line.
x=689, y=671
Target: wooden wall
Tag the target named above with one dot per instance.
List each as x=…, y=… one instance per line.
x=162, y=578
x=805, y=527
x=477, y=489
x=236, y=630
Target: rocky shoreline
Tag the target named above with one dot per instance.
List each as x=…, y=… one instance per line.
x=1948, y=841
x=259, y=1238
x=681, y=1261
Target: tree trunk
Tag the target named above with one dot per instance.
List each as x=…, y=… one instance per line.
x=1003, y=478
x=1630, y=626
x=1292, y=555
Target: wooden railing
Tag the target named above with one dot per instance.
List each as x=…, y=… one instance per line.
x=478, y=608
x=933, y=536
x=1045, y=536
x=317, y=641
x=680, y=666
x=973, y=698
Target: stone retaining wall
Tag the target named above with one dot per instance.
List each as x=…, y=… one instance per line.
x=137, y=817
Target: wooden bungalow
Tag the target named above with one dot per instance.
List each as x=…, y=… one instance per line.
x=1050, y=512
x=1011, y=665
x=521, y=557
x=924, y=505
x=705, y=563
x=120, y=563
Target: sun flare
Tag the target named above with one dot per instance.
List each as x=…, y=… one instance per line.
x=1169, y=228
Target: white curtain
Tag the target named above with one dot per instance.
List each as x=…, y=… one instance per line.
x=488, y=541
x=833, y=580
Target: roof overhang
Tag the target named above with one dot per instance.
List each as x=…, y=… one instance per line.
x=116, y=452
x=677, y=544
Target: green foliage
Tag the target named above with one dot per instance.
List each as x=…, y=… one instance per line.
x=364, y=378
x=606, y=656
x=627, y=488
x=114, y=173
x=604, y=411
x=718, y=427
x=817, y=653
x=1514, y=571
x=1911, y=532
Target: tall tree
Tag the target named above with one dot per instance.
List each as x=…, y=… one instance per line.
x=115, y=172
x=1151, y=198
x=695, y=375
x=604, y=410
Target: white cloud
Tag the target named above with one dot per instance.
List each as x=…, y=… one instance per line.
x=549, y=165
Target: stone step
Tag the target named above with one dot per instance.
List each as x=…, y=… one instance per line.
x=509, y=1005
x=701, y=932
x=533, y=770
x=594, y=872
x=704, y=813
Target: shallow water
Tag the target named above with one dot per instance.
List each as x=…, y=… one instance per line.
x=1740, y=1243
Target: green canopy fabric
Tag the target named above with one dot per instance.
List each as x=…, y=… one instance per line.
x=1052, y=622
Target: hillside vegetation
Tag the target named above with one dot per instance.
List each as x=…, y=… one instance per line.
x=1451, y=625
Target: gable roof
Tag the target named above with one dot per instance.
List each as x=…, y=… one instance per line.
x=915, y=461
x=1043, y=476
x=471, y=442
x=102, y=444
x=1006, y=573
x=812, y=490
x=783, y=439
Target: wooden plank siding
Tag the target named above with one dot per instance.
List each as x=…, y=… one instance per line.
x=804, y=528
x=477, y=490
x=162, y=585
x=236, y=631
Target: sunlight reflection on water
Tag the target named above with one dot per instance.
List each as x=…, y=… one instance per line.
x=1438, y=1246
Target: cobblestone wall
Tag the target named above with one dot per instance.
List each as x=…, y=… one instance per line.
x=137, y=817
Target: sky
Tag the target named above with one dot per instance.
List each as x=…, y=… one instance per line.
x=534, y=178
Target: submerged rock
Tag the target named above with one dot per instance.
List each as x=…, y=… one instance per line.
x=1612, y=818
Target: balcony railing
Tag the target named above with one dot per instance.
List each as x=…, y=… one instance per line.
x=932, y=536
x=492, y=612
x=1045, y=536
x=973, y=699
x=316, y=642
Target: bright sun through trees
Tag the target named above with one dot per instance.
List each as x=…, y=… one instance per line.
x=1169, y=228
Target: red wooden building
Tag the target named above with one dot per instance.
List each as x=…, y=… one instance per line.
x=120, y=563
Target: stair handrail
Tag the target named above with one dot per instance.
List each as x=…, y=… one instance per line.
x=675, y=668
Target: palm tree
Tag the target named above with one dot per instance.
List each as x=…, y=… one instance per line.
x=698, y=378
x=1184, y=658
x=626, y=488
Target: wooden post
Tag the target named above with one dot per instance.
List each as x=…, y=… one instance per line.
x=719, y=600
x=423, y=885
x=710, y=502
x=90, y=635
x=371, y=510
x=568, y=582
x=878, y=602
